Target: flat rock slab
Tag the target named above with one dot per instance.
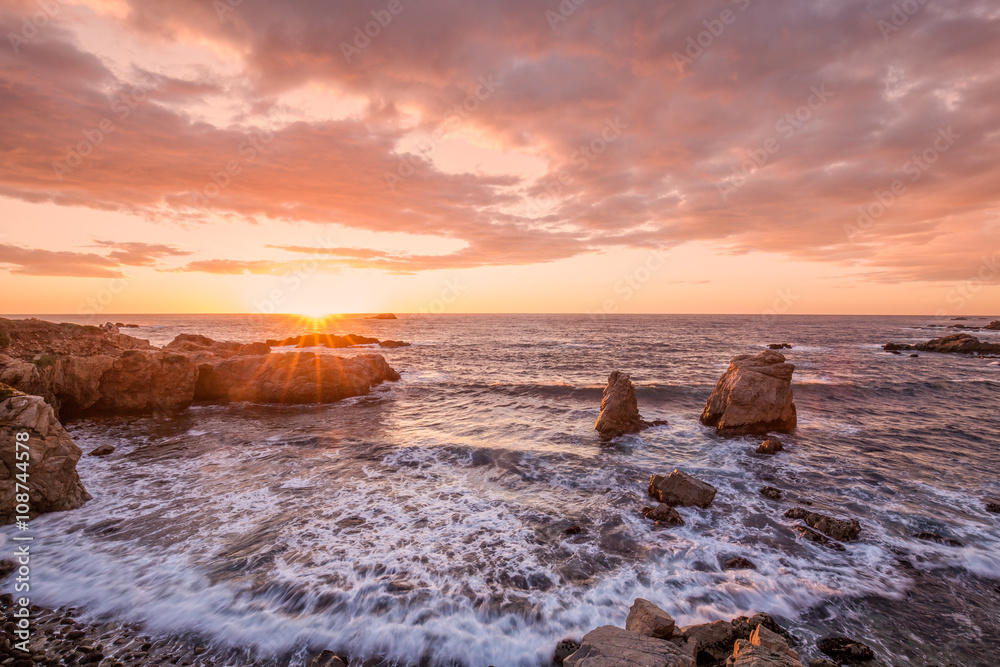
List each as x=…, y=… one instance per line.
x=645, y=618
x=608, y=646
x=680, y=488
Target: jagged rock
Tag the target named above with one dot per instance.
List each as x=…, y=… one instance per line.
x=564, y=649
x=292, y=377
x=844, y=650
x=103, y=450
x=763, y=649
x=393, y=343
x=993, y=326
x=619, y=408
x=739, y=563
x=645, y=618
x=992, y=505
x=844, y=530
x=753, y=397
x=53, y=481
x=608, y=646
x=819, y=538
x=771, y=492
x=708, y=642
x=680, y=488
x=663, y=514
x=961, y=343
x=779, y=346
x=771, y=445
x=940, y=539
x=328, y=659
x=744, y=626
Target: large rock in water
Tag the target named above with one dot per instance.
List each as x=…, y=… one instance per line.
x=619, y=408
x=753, y=397
x=962, y=343
x=292, y=377
x=53, y=481
x=680, y=488
x=608, y=646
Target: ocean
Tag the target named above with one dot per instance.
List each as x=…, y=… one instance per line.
x=427, y=521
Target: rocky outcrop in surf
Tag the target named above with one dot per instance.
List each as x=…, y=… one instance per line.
x=961, y=343
x=83, y=370
x=620, y=409
x=844, y=530
x=993, y=326
x=49, y=470
x=680, y=488
x=753, y=397
x=323, y=340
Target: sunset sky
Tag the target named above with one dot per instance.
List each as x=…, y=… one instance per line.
x=739, y=156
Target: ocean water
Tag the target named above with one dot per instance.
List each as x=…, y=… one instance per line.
x=426, y=521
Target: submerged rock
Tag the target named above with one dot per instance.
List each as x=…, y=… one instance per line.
x=844, y=650
x=383, y=316
x=739, y=563
x=393, y=343
x=608, y=646
x=645, y=618
x=103, y=450
x=53, y=481
x=771, y=445
x=680, y=488
x=771, y=492
x=779, y=346
x=961, y=343
x=992, y=505
x=928, y=536
x=754, y=396
x=844, y=530
x=663, y=514
x=819, y=538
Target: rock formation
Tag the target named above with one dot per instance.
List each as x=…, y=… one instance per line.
x=739, y=563
x=961, y=343
x=763, y=649
x=393, y=343
x=620, y=409
x=846, y=651
x=609, y=646
x=663, y=514
x=383, y=316
x=53, y=481
x=647, y=619
x=770, y=445
x=992, y=505
x=680, y=488
x=323, y=340
x=753, y=397
x=771, y=492
x=928, y=536
x=993, y=326
x=844, y=530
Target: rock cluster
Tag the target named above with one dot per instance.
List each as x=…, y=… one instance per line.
x=620, y=409
x=844, y=530
x=961, y=343
x=53, y=481
x=753, y=397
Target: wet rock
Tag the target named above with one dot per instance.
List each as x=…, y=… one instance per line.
x=664, y=514
x=708, y=642
x=914, y=355
x=928, y=536
x=564, y=649
x=819, y=538
x=780, y=346
x=739, y=563
x=55, y=484
x=844, y=530
x=822, y=662
x=744, y=627
x=763, y=649
x=680, y=488
x=6, y=567
x=645, y=618
x=993, y=326
x=103, y=450
x=844, y=650
x=754, y=396
x=619, y=408
x=961, y=343
x=771, y=445
x=771, y=492
x=608, y=646
x=573, y=530
x=992, y=505
x=393, y=343
x=328, y=659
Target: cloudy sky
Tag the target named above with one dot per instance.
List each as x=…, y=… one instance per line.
x=740, y=156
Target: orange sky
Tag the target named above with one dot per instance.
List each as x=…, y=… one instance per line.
x=739, y=156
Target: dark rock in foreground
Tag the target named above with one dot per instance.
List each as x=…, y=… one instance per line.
x=564, y=649
x=961, y=343
x=680, y=488
x=103, y=450
x=739, y=563
x=846, y=651
x=770, y=446
x=992, y=505
x=753, y=397
x=609, y=646
x=647, y=619
x=771, y=492
x=620, y=409
x=844, y=530
x=663, y=514
x=53, y=481
x=328, y=659
x=819, y=538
